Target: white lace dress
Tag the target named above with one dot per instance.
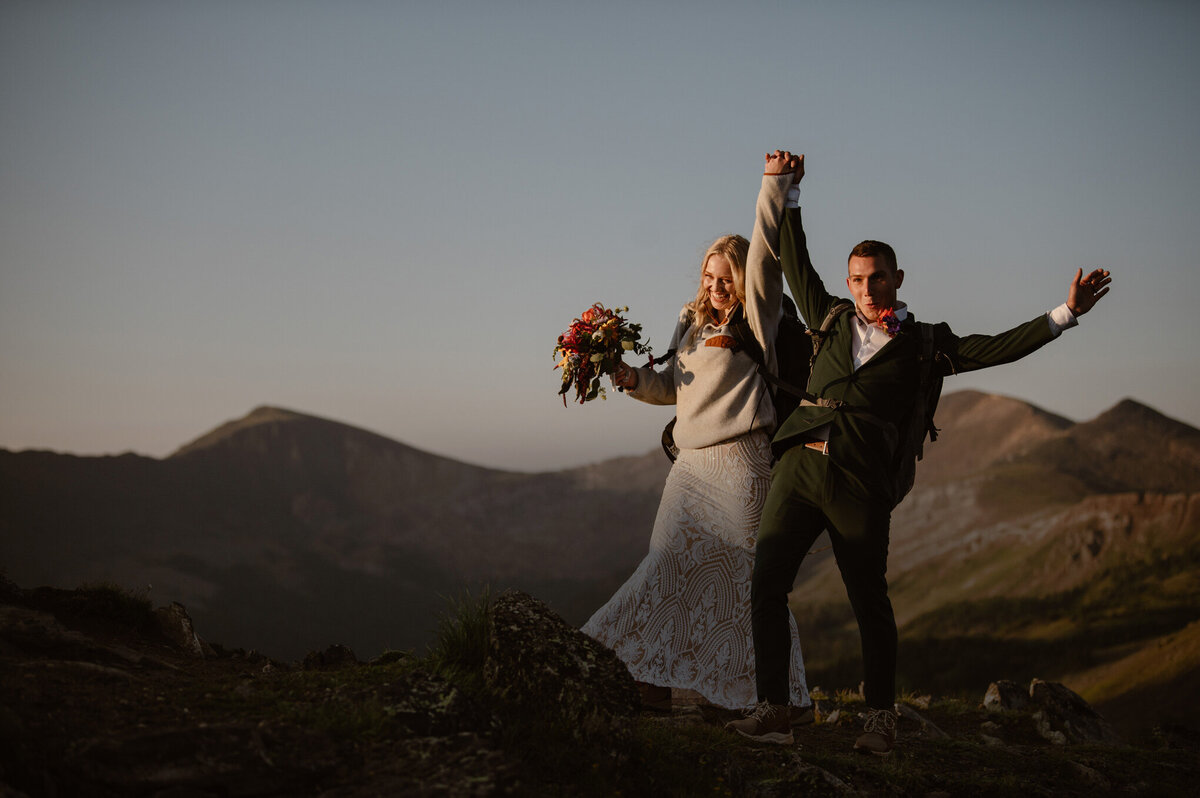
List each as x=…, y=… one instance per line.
x=683, y=618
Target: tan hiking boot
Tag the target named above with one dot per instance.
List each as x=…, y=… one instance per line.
x=879, y=733
x=765, y=723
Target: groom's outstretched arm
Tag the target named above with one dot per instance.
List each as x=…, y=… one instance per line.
x=972, y=352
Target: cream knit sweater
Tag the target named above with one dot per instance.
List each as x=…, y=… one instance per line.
x=717, y=393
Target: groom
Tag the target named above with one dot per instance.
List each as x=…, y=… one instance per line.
x=835, y=467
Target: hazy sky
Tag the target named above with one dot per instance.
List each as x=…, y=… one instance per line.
x=385, y=213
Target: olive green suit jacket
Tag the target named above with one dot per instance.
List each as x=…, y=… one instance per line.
x=864, y=434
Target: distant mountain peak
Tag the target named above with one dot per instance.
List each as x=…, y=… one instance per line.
x=263, y=414
x=979, y=407
x=1128, y=447
x=273, y=413
x=307, y=441
x=979, y=429
x=1130, y=418
x=1131, y=411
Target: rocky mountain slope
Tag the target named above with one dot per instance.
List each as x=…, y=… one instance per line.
x=1030, y=542
x=101, y=696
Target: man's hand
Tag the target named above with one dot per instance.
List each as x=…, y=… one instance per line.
x=782, y=162
x=1086, y=292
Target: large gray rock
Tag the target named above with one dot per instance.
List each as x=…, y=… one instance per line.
x=551, y=674
x=176, y=625
x=1063, y=716
x=1005, y=694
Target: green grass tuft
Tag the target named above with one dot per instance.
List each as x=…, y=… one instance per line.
x=460, y=647
x=109, y=606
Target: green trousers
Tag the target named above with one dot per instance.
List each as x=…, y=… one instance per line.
x=808, y=495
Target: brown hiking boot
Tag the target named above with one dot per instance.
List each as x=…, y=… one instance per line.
x=654, y=696
x=765, y=723
x=879, y=733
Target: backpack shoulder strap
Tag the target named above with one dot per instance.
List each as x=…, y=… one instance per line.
x=670, y=353
x=926, y=373
x=819, y=334
x=931, y=371
x=739, y=328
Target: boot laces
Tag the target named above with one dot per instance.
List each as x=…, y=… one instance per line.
x=763, y=710
x=880, y=721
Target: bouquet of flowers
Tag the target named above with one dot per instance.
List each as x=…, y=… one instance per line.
x=592, y=347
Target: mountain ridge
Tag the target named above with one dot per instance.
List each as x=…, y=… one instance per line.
x=280, y=509
x=285, y=531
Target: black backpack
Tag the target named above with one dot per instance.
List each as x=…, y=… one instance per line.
x=796, y=348
x=920, y=423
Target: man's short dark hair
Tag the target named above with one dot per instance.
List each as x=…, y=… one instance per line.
x=875, y=249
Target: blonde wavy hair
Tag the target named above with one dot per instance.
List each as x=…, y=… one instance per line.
x=733, y=248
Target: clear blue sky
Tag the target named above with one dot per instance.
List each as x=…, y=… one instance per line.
x=385, y=212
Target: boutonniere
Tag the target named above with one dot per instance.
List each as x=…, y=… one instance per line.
x=888, y=322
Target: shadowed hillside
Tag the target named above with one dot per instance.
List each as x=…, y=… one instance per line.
x=290, y=531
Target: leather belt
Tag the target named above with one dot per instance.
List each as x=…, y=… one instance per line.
x=818, y=446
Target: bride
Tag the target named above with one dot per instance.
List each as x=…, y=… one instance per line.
x=682, y=619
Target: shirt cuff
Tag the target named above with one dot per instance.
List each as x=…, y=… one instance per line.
x=1061, y=318
x=793, y=197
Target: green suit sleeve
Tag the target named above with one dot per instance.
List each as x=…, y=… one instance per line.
x=974, y=352
x=812, y=300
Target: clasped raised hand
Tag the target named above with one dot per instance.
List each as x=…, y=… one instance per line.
x=782, y=162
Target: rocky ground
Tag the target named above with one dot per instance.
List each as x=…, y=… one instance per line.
x=102, y=696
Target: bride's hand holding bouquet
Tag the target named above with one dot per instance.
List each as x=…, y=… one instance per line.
x=625, y=377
